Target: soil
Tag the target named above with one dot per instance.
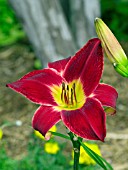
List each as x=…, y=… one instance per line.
x=17, y=60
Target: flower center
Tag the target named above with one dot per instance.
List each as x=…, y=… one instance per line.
x=69, y=96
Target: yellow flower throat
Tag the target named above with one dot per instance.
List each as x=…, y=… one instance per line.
x=69, y=100
x=68, y=96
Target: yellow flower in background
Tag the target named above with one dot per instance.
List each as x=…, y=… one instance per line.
x=1, y=133
x=48, y=134
x=38, y=134
x=53, y=129
x=51, y=148
x=84, y=157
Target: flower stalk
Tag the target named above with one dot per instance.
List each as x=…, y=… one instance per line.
x=76, y=148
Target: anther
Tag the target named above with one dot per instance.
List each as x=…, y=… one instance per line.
x=62, y=93
x=67, y=94
x=74, y=86
x=71, y=96
x=67, y=87
x=63, y=86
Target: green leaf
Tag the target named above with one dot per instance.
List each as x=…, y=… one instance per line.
x=98, y=159
x=60, y=135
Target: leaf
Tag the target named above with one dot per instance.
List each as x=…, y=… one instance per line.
x=98, y=159
x=60, y=135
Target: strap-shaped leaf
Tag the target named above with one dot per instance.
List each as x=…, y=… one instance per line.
x=98, y=159
x=60, y=135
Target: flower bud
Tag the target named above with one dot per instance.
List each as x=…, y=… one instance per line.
x=122, y=70
x=112, y=48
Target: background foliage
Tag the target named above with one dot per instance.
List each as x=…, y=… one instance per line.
x=115, y=15
x=10, y=28
x=113, y=12
x=38, y=159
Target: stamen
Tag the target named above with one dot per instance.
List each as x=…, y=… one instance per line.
x=69, y=100
x=63, y=88
x=74, y=86
x=67, y=87
x=71, y=96
x=67, y=94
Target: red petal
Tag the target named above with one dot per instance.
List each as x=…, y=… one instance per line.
x=106, y=94
x=87, y=64
x=44, y=118
x=87, y=122
x=35, y=85
x=59, y=65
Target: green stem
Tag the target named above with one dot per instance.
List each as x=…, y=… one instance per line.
x=76, y=148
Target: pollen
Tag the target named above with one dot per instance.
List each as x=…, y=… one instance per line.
x=69, y=96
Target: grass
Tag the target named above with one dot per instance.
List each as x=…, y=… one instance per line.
x=38, y=159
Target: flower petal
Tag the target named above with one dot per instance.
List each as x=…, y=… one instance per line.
x=107, y=95
x=44, y=118
x=87, y=122
x=87, y=64
x=35, y=85
x=59, y=65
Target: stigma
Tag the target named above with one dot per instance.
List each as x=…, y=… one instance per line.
x=68, y=94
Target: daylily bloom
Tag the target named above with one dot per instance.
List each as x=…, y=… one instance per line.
x=69, y=90
x=112, y=48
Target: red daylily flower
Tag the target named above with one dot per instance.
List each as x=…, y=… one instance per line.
x=69, y=90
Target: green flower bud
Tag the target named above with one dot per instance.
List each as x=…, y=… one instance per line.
x=112, y=48
x=122, y=70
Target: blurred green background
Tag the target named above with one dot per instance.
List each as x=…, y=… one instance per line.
x=10, y=28
x=113, y=12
